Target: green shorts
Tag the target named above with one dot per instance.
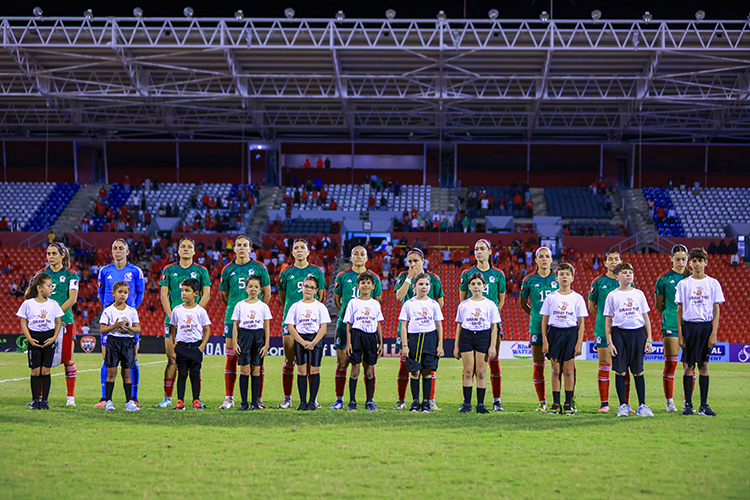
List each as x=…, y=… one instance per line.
x=228, y=329
x=340, y=340
x=535, y=339
x=600, y=342
x=166, y=331
x=669, y=333
x=399, y=345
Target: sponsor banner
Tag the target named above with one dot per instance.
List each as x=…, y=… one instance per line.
x=719, y=353
x=739, y=353
x=511, y=349
x=12, y=343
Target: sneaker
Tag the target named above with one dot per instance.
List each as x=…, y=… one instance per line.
x=400, y=405
x=244, y=407
x=497, y=406
x=70, y=401
x=704, y=410
x=34, y=405
x=433, y=405
x=481, y=409
x=255, y=407
x=555, y=409
x=542, y=406
x=415, y=406
x=351, y=407
x=371, y=406
x=604, y=408
x=302, y=407
x=568, y=410
x=339, y=405
x=131, y=406
x=44, y=405
x=180, y=406
x=671, y=407
x=317, y=405
x=135, y=401
x=687, y=409
x=260, y=404
x=203, y=405
x=623, y=410
x=287, y=403
x=645, y=411
x=427, y=406
x=101, y=404
x=228, y=403
x=165, y=403
x=31, y=403
x=573, y=405
x=312, y=406
x=465, y=408
x=197, y=405
x=109, y=406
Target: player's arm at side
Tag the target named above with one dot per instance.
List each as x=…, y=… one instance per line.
x=501, y=292
x=266, y=338
x=72, y=296
x=140, y=288
x=647, y=329
x=206, y=335
x=680, y=338
x=608, y=332
x=525, y=298
x=545, y=325
x=173, y=333
x=439, y=328
x=235, y=335
x=592, y=307
x=205, y=296
x=404, y=338
x=579, y=340
x=456, y=353
x=379, y=333
x=492, y=351
x=348, y=348
x=165, y=300
x=714, y=326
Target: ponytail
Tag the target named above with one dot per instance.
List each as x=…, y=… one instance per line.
x=38, y=280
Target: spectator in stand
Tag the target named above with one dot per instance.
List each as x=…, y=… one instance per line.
x=485, y=204
x=319, y=163
x=517, y=201
x=4, y=224
x=102, y=194
x=383, y=203
x=333, y=205
x=371, y=202
x=327, y=163
x=414, y=225
x=446, y=256
x=304, y=199
x=671, y=215
x=5, y=266
x=660, y=214
x=307, y=163
x=735, y=260
x=530, y=207
x=712, y=249
x=24, y=284
x=14, y=289
x=722, y=250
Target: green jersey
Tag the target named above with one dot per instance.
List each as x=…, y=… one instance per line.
x=63, y=281
x=666, y=286
x=494, y=282
x=436, y=288
x=345, y=285
x=233, y=278
x=600, y=288
x=536, y=289
x=172, y=277
x=291, y=279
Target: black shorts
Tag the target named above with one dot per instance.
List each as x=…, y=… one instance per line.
x=629, y=345
x=41, y=356
x=364, y=348
x=422, y=351
x=120, y=350
x=562, y=343
x=474, y=341
x=696, y=335
x=250, y=342
x=308, y=357
x=188, y=356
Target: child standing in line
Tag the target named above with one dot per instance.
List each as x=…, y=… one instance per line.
x=40, y=324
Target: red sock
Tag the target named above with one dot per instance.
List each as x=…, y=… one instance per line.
x=434, y=383
x=670, y=365
x=230, y=372
x=287, y=378
x=603, y=380
x=168, y=387
x=627, y=387
x=496, y=377
x=403, y=379
x=340, y=382
x=538, y=377
x=70, y=379
x=262, y=380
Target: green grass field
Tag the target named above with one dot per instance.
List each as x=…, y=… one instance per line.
x=84, y=452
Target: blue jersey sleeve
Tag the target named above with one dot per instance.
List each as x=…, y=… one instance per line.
x=140, y=287
x=100, y=284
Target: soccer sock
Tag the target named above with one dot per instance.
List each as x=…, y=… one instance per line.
x=480, y=395
x=569, y=397
x=426, y=386
x=467, y=395
x=352, y=389
x=103, y=378
x=575, y=378
x=70, y=379
x=314, y=386
x=181, y=382
x=670, y=365
x=35, y=387
x=168, y=387
x=256, y=382
x=496, y=377
x=287, y=378
x=538, y=377
x=128, y=391
x=244, y=382
x=109, y=388
x=370, y=388
x=230, y=372
x=403, y=379
x=340, y=382
x=556, y=397
x=627, y=387
x=374, y=382
x=603, y=381
x=47, y=382
x=620, y=387
x=640, y=389
x=135, y=376
x=302, y=388
x=195, y=383
x=262, y=382
x=414, y=388
x=432, y=387
x=687, y=386
x=702, y=383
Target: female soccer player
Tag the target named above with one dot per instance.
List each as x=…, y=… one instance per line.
x=65, y=294
x=290, y=291
x=494, y=289
x=666, y=287
x=404, y=291
x=476, y=336
x=40, y=324
x=344, y=289
x=534, y=289
x=232, y=288
x=170, y=283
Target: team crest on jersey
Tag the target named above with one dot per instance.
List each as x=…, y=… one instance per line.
x=128, y=276
x=251, y=272
x=194, y=275
x=492, y=279
x=563, y=306
x=88, y=343
x=553, y=285
x=62, y=279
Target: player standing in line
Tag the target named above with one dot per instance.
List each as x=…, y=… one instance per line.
x=232, y=287
x=600, y=288
x=40, y=324
x=628, y=337
x=290, y=291
x=65, y=293
x=476, y=337
x=404, y=291
x=422, y=326
x=563, y=314
x=698, y=298
x=534, y=289
x=120, y=270
x=666, y=287
x=494, y=289
x=170, y=284
x=307, y=321
x=345, y=289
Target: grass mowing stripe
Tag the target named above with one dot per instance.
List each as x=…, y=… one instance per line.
x=78, y=371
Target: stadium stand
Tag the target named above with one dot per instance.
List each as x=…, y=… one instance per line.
x=577, y=203
x=593, y=228
x=168, y=194
x=660, y=198
x=356, y=197
x=500, y=201
x=51, y=208
x=707, y=212
x=23, y=203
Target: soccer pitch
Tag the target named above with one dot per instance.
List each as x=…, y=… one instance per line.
x=84, y=452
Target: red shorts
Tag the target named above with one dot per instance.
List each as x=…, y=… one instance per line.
x=67, y=342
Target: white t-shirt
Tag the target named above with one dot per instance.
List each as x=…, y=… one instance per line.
x=189, y=323
x=564, y=310
x=40, y=315
x=626, y=308
x=112, y=315
x=477, y=315
x=364, y=314
x=421, y=315
x=698, y=298
x=251, y=316
x=307, y=318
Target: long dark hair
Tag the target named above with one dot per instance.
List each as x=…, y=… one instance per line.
x=63, y=251
x=38, y=280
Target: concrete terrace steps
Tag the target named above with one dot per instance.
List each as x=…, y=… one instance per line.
x=81, y=204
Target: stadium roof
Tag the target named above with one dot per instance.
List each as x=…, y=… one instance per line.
x=375, y=79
